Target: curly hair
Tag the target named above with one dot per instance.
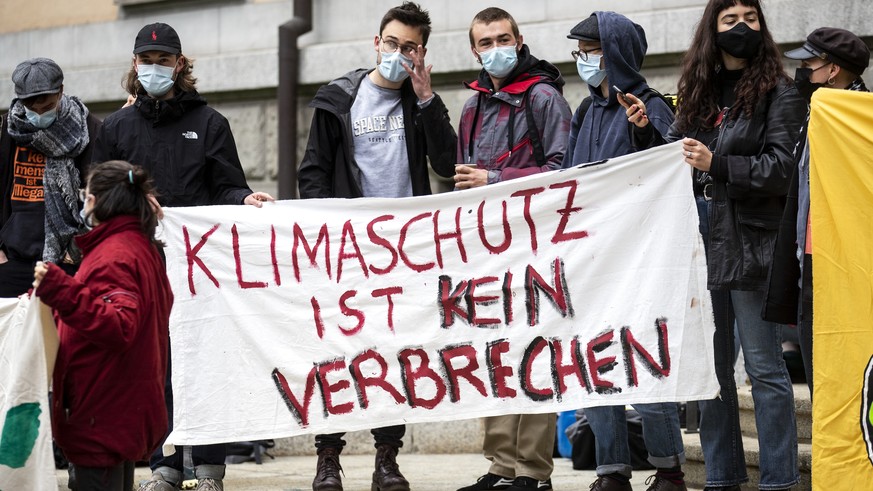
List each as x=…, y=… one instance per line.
x=185, y=81
x=698, y=94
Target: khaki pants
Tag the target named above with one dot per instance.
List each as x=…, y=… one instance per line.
x=520, y=445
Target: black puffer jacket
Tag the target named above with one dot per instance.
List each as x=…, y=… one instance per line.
x=329, y=169
x=752, y=165
x=186, y=146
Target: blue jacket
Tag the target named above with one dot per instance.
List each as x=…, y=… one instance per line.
x=604, y=132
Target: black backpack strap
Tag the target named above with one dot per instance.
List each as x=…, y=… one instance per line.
x=647, y=95
x=533, y=133
x=583, y=109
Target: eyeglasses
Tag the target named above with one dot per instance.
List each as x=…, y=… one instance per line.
x=581, y=53
x=390, y=46
x=83, y=195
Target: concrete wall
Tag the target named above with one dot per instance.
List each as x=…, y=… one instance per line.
x=235, y=45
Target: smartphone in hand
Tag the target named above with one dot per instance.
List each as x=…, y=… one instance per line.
x=620, y=95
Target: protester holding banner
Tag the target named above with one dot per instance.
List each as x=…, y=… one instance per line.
x=518, y=104
x=610, y=53
x=515, y=125
x=45, y=146
x=831, y=58
x=189, y=149
x=113, y=322
x=379, y=160
x=739, y=117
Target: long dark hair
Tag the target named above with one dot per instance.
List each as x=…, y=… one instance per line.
x=698, y=88
x=120, y=188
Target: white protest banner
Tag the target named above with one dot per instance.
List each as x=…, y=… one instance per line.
x=28, y=346
x=573, y=288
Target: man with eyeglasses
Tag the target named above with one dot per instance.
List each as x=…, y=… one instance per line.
x=610, y=53
x=515, y=125
x=45, y=148
x=372, y=134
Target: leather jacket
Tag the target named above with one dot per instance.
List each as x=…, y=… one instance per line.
x=752, y=164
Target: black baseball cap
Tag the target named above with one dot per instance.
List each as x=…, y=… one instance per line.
x=157, y=37
x=837, y=45
x=587, y=30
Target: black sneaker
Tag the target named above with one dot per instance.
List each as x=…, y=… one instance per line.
x=523, y=483
x=489, y=482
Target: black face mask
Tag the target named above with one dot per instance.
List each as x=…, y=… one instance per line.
x=741, y=41
x=803, y=83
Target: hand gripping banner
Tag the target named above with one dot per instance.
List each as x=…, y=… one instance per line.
x=573, y=288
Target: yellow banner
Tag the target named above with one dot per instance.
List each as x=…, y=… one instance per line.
x=841, y=187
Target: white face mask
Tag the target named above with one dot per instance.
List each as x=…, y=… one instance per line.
x=157, y=80
x=590, y=71
x=500, y=61
x=391, y=67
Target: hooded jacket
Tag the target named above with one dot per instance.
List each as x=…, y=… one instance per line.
x=493, y=131
x=186, y=146
x=329, y=169
x=113, y=320
x=603, y=132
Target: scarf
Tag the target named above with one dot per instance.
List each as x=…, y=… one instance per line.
x=61, y=143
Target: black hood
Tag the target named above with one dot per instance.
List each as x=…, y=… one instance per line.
x=160, y=112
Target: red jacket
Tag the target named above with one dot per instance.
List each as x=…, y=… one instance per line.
x=113, y=323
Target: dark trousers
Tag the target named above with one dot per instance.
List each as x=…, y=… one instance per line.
x=118, y=478
x=804, y=326
x=16, y=276
x=389, y=435
x=200, y=454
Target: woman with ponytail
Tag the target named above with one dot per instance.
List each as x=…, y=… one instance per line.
x=739, y=118
x=112, y=316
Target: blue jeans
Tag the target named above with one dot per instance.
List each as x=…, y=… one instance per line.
x=661, y=432
x=772, y=393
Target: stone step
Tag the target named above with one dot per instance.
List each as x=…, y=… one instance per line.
x=695, y=470
x=447, y=437
x=802, y=410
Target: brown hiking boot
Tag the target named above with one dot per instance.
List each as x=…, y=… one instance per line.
x=387, y=476
x=327, y=473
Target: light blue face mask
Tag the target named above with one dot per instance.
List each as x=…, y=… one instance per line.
x=43, y=120
x=500, y=61
x=85, y=219
x=590, y=71
x=157, y=80
x=391, y=67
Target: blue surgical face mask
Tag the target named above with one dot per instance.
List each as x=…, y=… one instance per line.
x=590, y=70
x=500, y=61
x=157, y=80
x=85, y=219
x=43, y=120
x=391, y=67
